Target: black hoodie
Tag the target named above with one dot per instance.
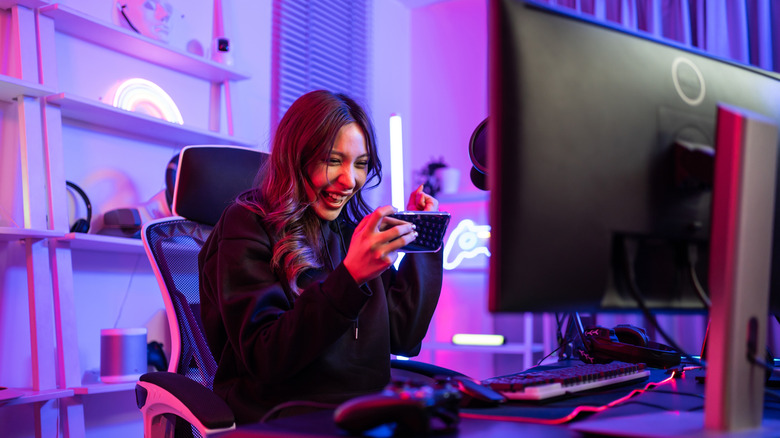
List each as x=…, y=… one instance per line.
x=331, y=343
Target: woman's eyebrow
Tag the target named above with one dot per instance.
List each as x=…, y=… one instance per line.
x=342, y=154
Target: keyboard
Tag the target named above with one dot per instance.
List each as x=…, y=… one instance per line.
x=557, y=382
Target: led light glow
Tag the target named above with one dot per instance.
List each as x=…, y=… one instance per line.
x=397, y=169
x=146, y=97
x=474, y=339
x=396, y=162
x=471, y=240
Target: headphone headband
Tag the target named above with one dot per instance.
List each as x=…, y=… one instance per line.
x=81, y=225
x=626, y=343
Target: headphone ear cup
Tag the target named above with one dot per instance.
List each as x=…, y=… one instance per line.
x=80, y=226
x=631, y=334
x=596, y=341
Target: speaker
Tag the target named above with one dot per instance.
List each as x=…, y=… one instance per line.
x=81, y=225
x=123, y=354
x=626, y=343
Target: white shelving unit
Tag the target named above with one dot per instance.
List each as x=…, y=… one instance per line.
x=11, y=88
x=38, y=114
x=12, y=233
x=32, y=4
x=107, y=116
x=30, y=396
x=96, y=242
x=72, y=22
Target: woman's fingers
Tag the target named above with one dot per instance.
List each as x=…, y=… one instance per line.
x=421, y=201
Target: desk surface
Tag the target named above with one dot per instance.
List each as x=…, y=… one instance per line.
x=679, y=404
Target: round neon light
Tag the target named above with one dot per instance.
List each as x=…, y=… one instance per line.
x=146, y=97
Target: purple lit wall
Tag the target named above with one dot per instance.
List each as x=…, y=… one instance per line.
x=449, y=99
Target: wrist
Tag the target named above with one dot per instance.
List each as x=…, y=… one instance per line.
x=353, y=272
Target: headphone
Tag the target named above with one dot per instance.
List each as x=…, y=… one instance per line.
x=81, y=225
x=626, y=343
x=478, y=156
x=170, y=179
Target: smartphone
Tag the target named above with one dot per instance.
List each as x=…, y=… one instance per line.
x=431, y=226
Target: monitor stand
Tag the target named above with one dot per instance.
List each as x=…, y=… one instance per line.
x=740, y=269
x=571, y=341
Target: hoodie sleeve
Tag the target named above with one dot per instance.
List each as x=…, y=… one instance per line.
x=248, y=312
x=412, y=295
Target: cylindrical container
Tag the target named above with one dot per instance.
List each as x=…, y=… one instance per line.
x=122, y=354
x=449, y=178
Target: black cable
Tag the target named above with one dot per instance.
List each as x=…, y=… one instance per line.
x=755, y=360
x=774, y=394
x=692, y=258
x=653, y=405
x=634, y=290
x=550, y=354
x=122, y=11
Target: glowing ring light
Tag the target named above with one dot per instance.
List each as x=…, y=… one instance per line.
x=146, y=97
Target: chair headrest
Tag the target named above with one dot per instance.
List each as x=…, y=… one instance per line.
x=209, y=177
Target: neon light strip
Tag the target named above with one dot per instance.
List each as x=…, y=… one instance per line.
x=397, y=162
x=397, y=168
x=481, y=340
x=145, y=96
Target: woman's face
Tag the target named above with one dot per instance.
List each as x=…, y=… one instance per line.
x=335, y=180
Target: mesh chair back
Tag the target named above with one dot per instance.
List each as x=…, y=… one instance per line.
x=174, y=244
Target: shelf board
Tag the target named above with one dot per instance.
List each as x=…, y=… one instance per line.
x=508, y=348
x=462, y=197
x=104, y=388
x=13, y=233
x=75, y=23
x=11, y=88
x=30, y=396
x=32, y=4
x=101, y=114
x=97, y=242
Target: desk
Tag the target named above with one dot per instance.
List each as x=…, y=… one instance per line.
x=682, y=398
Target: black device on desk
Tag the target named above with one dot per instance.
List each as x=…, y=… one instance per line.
x=409, y=406
x=421, y=399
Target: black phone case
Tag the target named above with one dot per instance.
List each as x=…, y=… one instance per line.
x=431, y=226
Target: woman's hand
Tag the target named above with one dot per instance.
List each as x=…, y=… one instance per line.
x=421, y=201
x=375, y=244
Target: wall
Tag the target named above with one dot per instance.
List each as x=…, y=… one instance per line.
x=449, y=99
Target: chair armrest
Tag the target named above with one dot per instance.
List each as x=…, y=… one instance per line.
x=161, y=393
x=423, y=369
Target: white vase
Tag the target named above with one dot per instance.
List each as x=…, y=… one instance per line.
x=449, y=179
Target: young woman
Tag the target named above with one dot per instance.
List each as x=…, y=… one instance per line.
x=299, y=298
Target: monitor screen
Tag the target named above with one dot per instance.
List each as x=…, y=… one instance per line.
x=600, y=149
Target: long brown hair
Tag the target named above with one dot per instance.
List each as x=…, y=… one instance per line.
x=305, y=136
